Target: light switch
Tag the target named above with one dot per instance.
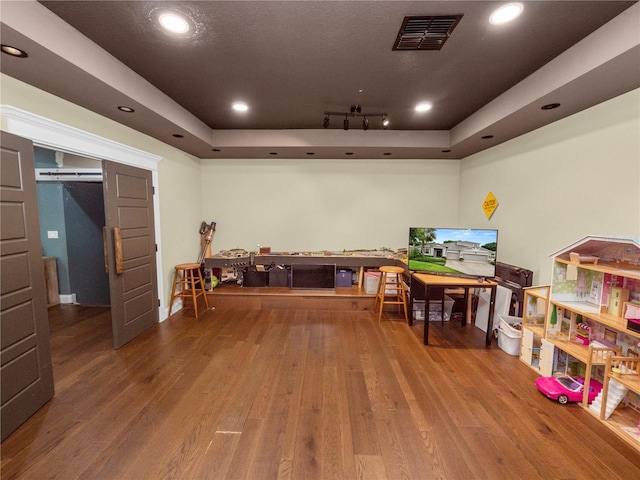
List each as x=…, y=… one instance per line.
x=52, y=234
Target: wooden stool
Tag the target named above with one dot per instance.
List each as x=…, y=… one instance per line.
x=399, y=295
x=186, y=276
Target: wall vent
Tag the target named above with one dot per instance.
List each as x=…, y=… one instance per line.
x=425, y=32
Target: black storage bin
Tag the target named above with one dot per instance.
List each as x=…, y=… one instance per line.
x=253, y=278
x=278, y=277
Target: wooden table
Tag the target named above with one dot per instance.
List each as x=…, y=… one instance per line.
x=428, y=287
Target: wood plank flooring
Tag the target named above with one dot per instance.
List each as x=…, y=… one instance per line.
x=300, y=394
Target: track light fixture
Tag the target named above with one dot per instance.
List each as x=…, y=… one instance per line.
x=355, y=111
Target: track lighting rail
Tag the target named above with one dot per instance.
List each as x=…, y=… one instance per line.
x=355, y=111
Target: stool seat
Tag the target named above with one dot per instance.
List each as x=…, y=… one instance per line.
x=395, y=291
x=187, y=266
x=391, y=269
x=185, y=281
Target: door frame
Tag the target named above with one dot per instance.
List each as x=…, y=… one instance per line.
x=53, y=135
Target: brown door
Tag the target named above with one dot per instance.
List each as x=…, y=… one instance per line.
x=25, y=354
x=130, y=250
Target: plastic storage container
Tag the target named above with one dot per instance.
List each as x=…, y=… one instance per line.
x=371, y=280
x=436, y=305
x=418, y=310
x=509, y=338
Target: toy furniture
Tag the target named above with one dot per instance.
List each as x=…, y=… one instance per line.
x=583, y=322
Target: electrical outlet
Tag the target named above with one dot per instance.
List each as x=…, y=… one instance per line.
x=52, y=234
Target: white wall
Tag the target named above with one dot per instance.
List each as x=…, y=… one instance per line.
x=578, y=176
x=310, y=205
x=178, y=173
x=575, y=177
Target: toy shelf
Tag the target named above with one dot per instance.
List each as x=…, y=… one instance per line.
x=613, y=268
x=538, y=330
x=591, y=311
x=535, y=305
x=623, y=420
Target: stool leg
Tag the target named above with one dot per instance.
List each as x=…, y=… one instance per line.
x=173, y=290
x=382, y=287
x=397, y=288
x=404, y=297
x=375, y=303
x=204, y=292
x=194, y=298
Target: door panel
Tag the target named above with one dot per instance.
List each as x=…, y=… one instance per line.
x=25, y=354
x=128, y=196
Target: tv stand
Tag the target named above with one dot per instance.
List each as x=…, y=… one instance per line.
x=431, y=287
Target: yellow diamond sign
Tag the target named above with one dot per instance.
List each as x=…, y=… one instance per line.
x=489, y=205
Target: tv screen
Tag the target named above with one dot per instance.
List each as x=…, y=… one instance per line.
x=313, y=276
x=453, y=251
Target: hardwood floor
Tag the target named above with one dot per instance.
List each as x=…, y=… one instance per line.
x=300, y=394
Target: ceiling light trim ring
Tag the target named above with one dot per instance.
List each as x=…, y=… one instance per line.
x=506, y=13
x=13, y=51
x=161, y=17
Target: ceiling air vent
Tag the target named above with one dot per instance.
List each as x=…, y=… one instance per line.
x=425, y=32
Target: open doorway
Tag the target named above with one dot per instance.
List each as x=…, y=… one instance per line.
x=72, y=218
x=130, y=187
x=98, y=224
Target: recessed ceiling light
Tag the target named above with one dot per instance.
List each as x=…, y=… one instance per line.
x=423, y=107
x=550, y=106
x=506, y=13
x=126, y=109
x=13, y=51
x=173, y=23
x=385, y=122
x=240, y=107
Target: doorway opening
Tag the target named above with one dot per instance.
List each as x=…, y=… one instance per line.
x=72, y=218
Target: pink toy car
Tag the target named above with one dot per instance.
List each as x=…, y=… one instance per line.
x=566, y=389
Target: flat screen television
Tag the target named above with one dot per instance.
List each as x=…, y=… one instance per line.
x=313, y=276
x=468, y=252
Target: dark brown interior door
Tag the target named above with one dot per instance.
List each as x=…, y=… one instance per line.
x=130, y=249
x=25, y=354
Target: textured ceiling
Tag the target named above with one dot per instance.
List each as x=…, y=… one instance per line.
x=290, y=61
